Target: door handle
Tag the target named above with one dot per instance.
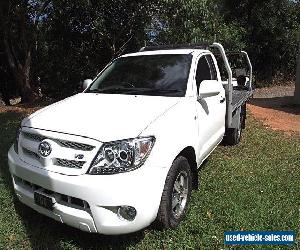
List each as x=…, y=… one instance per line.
x=222, y=100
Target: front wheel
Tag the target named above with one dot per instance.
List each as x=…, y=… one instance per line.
x=176, y=194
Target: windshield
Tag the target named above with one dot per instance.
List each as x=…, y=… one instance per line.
x=163, y=75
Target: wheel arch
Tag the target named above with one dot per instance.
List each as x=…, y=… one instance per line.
x=190, y=155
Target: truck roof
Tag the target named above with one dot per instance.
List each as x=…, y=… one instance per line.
x=186, y=48
x=166, y=51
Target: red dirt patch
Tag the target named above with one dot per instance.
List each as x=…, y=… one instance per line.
x=276, y=119
x=274, y=107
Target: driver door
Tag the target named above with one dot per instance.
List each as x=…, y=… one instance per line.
x=210, y=110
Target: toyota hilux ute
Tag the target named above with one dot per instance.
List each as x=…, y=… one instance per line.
x=125, y=152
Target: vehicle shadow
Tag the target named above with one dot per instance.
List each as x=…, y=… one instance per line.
x=284, y=103
x=43, y=232
x=203, y=165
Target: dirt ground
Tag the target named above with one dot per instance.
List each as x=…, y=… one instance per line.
x=274, y=107
x=21, y=108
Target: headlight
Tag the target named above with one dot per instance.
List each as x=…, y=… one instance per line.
x=16, y=142
x=121, y=156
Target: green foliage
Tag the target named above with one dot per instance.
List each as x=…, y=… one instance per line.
x=81, y=37
x=196, y=21
x=271, y=27
x=266, y=29
x=69, y=40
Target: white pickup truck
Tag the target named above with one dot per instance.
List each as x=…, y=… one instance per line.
x=125, y=152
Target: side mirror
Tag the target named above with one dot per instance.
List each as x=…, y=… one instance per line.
x=208, y=88
x=86, y=83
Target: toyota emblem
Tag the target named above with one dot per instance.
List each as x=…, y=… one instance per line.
x=45, y=149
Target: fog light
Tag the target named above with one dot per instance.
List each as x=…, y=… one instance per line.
x=127, y=212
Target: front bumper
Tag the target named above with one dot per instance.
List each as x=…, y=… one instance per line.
x=140, y=189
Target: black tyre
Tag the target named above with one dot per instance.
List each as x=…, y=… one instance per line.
x=176, y=194
x=233, y=135
x=244, y=115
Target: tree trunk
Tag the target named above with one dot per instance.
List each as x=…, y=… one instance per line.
x=19, y=57
x=297, y=85
x=21, y=73
x=23, y=82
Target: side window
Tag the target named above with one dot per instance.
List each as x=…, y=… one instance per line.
x=213, y=71
x=203, y=71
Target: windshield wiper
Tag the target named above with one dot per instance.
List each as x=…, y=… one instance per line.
x=168, y=90
x=111, y=89
x=122, y=89
x=154, y=91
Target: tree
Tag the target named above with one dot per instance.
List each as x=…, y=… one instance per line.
x=297, y=85
x=80, y=37
x=194, y=21
x=62, y=42
x=271, y=27
x=19, y=28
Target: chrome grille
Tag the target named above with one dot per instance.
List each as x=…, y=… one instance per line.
x=69, y=163
x=75, y=145
x=63, y=143
x=34, y=137
x=30, y=153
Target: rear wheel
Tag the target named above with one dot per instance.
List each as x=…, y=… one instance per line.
x=233, y=135
x=176, y=194
x=243, y=112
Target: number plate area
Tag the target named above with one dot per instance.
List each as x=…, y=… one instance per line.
x=44, y=201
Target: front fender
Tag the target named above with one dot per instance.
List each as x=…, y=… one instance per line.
x=174, y=131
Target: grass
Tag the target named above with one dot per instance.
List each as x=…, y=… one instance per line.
x=253, y=186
